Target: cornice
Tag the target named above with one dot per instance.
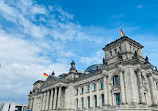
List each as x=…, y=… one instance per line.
x=133, y=62
x=120, y=40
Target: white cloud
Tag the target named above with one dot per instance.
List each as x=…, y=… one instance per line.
x=96, y=58
x=21, y=66
x=34, y=46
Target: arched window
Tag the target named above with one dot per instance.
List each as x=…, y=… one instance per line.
x=118, y=99
x=102, y=97
x=95, y=101
x=88, y=102
x=82, y=102
x=116, y=80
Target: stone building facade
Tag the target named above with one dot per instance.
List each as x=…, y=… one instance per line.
x=124, y=81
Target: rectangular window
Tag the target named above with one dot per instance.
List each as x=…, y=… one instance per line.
x=76, y=91
x=118, y=99
x=102, y=96
x=82, y=90
x=110, y=53
x=95, y=87
x=95, y=100
x=82, y=102
x=88, y=102
x=120, y=48
x=116, y=80
x=115, y=51
x=88, y=88
x=102, y=85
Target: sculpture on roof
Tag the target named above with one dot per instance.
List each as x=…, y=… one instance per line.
x=72, y=69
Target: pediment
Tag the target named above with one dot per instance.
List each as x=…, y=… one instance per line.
x=50, y=81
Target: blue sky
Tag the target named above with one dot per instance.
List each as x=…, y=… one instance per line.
x=38, y=36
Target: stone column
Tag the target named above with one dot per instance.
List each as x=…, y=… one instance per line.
x=122, y=83
x=41, y=103
x=51, y=99
x=30, y=104
x=106, y=91
x=55, y=99
x=45, y=104
x=59, y=97
x=47, y=101
x=132, y=99
x=140, y=88
x=152, y=90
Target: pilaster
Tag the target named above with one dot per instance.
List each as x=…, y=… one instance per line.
x=140, y=88
x=47, y=101
x=153, y=92
x=98, y=95
x=122, y=83
x=106, y=91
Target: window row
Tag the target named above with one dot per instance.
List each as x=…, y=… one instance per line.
x=115, y=51
x=116, y=81
x=89, y=100
x=88, y=88
x=95, y=101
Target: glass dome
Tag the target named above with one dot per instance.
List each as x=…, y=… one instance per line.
x=93, y=67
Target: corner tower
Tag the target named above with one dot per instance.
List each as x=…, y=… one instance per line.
x=124, y=48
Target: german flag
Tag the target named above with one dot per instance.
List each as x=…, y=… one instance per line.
x=46, y=75
x=122, y=34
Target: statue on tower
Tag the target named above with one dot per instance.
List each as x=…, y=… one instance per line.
x=72, y=69
x=53, y=73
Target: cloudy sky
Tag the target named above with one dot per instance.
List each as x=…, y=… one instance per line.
x=38, y=36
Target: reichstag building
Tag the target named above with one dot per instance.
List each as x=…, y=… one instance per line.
x=125, y=81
